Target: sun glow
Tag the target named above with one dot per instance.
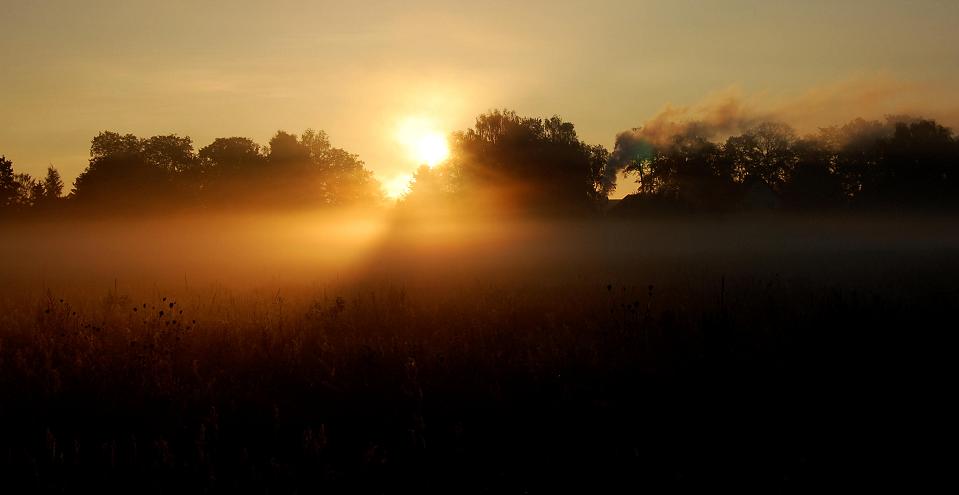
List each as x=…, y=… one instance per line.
x=424, y=143
x=398, y=186
x=431, y=148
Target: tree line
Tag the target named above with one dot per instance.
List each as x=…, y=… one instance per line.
x=524, y=163
x=901, y=163
x=165, y=172
x=20, y=190
x=531, y=164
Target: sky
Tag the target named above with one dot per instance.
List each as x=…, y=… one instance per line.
x=360, y=70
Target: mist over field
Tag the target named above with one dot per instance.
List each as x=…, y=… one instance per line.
x=502, y=247
x=322, y=249
x=373, y=352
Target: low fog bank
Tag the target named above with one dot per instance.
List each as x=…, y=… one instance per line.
x=250, y=251
x=174, y=252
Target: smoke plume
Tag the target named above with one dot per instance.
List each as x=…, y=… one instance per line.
x=730, y=112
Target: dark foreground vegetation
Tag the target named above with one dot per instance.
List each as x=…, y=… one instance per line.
x=749, y=363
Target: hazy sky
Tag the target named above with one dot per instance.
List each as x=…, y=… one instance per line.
x=69, y=69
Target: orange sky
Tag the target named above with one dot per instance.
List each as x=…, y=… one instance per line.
x=360, y=69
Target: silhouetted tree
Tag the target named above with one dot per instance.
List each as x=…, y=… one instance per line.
x=286, y=150
x=854, y=152
x=346, y=180
x=8, y=185
x=903, y=163
x=161, y=170
x=530, y=162
x=37, y=194
x=688, y=168
x=764, y=152
x=291, y=171
x=171, y=153
x=109, y=143
x=126, y=179
x=52, y=185
x=229, y=168
x=309, y=170
x=919, y=166
x=26, y=190
x=813, y=182
x=121, y=175
x=292, y=179
x=18, y=191
x=433, y=188
x=230, y=155
x=597, y=159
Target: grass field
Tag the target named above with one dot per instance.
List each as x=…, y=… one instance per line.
x=304, y=354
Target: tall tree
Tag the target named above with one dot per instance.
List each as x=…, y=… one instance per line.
x=109, y=143
x=854, y=152
x=8, y=185
x=52, y=184
x=535, y=163
x=120, y=180
x=225, y=155
x=814, y=182
x=764, y=152
x=171, y=153
x=120, y=174
x=687, y=169
x=287, y=150
x=17, y=190
x=345, y=178
x=919, y=165
x=26, y=190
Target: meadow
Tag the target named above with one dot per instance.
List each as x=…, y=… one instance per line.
x=301, y=353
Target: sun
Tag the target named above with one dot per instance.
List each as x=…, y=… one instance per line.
x=424, y=142
x=431, y=149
